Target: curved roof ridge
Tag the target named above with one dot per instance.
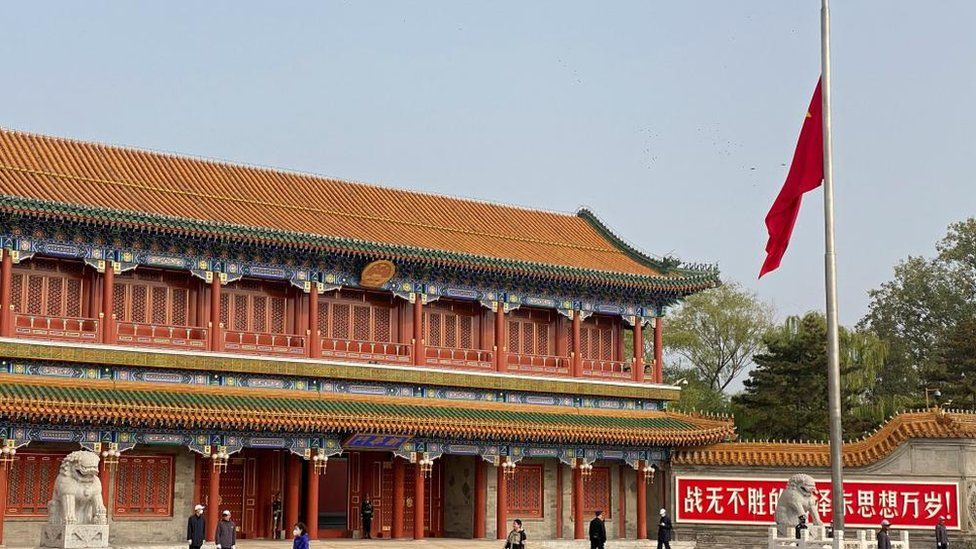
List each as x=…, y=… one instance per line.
x=664, y=264
x=936, y=423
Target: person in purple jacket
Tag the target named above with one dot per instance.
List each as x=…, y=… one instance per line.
x=301, y=537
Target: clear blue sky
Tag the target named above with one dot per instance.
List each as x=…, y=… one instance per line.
x=675, y=120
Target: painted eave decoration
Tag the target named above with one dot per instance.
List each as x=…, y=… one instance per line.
x=145, y=405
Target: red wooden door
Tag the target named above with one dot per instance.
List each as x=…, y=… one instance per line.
x=231, y=498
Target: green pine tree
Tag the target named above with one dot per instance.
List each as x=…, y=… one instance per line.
x=785, y=396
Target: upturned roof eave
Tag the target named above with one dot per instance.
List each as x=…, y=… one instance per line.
x=687, y=282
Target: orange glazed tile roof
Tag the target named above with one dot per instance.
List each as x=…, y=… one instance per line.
x=937, y=423
x=138, y=404
x=78, y=173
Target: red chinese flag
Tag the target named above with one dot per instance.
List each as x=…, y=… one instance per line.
x=806, y=174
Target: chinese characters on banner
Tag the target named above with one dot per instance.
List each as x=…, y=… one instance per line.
x=866, y=503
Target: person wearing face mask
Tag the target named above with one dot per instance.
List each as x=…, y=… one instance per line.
x=196, y=528
x=301, y=537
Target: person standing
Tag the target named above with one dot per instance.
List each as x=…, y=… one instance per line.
x=516, y=538
x=801, y=526
x=941, y=535
x=598, y=531
x=366, y=513
x=301, y=537
x=664, y=531
x=196, y=528
x=884, y=538
x=277, y=526
x=226, y=532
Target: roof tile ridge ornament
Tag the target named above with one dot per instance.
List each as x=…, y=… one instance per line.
x=665, y=265
x=222, y=162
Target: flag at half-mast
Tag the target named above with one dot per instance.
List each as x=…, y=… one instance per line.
x=806, y=173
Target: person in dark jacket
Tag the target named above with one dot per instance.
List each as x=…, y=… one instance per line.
x=196, y=528
x=664, y=528
x=801, y=526
x=515, y=538
x=598, y=531
x=884, y=538
x=226, y=532
x=366, y=512
x=941, y=535
x=301, y=537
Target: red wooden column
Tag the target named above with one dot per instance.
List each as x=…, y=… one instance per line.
x=577, y=351
x=6, y=281
x=399, y=483
x=108, y=292
x=638, y=370
x=216, y=337
x=418, y=502
x=641, y=502
x=501, y=339
x=213, y=501
x=292, y=493
x=105, y=475
x=658, y=350
x=314, y=337
x=312, y=502
x=480, y=498
x=419, y=352
x=578, y=503
x=4, y=469
x=501, y=508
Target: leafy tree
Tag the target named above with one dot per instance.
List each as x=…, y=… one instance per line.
x=916, y=311
x=717, y=332
x=696, y=395
x=785, y=396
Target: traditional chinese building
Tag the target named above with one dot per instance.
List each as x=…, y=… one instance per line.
x=233, y=335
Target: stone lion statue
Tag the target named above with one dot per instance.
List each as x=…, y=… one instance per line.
x=797, y=499
x=77, y=497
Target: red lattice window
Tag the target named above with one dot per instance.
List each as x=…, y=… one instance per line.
x=51, y=288
x=358, y=316
x=525, y=492
x=597, y=338
x=31, y=484
x=514, y=336
x=250, y=307
x=596, y=492
x=452, y=325
x=529, y=331
x=144, y=486
x=149, y=298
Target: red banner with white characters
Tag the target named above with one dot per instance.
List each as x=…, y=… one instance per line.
x=720, y=500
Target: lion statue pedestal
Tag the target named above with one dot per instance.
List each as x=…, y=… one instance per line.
x=76, y=516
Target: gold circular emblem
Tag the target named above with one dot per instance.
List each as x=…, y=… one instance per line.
x=377, y=273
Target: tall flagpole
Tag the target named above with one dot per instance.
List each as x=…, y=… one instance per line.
x=830, y=274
